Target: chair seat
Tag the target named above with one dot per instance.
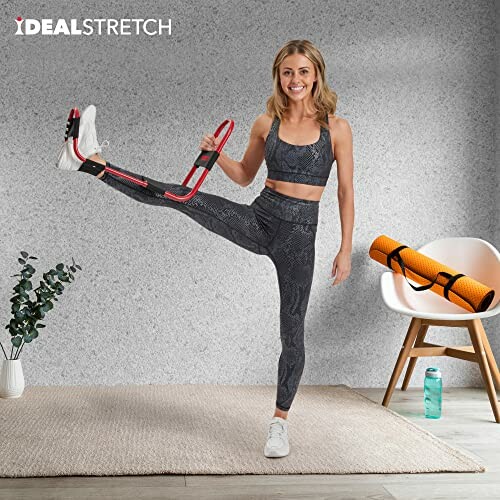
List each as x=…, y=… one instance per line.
x=400, y=297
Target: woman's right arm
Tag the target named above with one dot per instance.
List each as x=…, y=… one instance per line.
x=242, y=172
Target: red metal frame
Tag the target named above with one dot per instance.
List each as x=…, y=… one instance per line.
x=75, y=114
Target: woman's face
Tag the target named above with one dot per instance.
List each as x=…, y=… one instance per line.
x=297, y=75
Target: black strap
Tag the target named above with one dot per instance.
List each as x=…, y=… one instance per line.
x=206, y=159
x=91, y=167
x=397, y=257
x=450, y=284
x=393, y=255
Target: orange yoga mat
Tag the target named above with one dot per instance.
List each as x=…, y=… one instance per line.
x=445, y=281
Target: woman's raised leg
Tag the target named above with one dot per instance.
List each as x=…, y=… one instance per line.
x=240, y=223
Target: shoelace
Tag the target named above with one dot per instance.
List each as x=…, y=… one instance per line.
x=276, y=430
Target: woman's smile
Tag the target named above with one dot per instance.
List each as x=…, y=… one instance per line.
x=297, y=89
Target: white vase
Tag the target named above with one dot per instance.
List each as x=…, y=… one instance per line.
x=11, y=379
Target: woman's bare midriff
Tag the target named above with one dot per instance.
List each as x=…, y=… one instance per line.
x=296, y=190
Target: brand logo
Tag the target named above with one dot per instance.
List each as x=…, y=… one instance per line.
x=150, y=27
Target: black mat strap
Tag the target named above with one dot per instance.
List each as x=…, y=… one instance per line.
x=397, y=257
x=450, y=284
x=393, y=255
x=399, y=260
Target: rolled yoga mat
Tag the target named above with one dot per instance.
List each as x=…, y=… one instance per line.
x=445, y=281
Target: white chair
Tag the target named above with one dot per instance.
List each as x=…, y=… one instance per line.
x=470, y=256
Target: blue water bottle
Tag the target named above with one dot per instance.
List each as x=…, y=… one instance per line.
x=433, y=393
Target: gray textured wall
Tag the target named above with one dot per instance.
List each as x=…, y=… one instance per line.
x=162, y=300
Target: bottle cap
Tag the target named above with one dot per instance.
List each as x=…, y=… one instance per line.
x=433, y=373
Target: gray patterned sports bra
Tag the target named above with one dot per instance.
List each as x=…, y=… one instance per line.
x=310, y=164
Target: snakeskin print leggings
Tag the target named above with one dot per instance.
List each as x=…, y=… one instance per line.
x=276, y=225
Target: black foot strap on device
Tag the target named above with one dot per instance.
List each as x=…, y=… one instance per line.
x=91, y=167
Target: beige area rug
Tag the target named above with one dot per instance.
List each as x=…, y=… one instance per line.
x=209, y=429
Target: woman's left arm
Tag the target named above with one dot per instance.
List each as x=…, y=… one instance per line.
x=341, y=267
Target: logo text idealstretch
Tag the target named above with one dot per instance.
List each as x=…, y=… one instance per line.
x=88, y=27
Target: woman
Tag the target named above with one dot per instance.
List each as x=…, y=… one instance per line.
x=282, y=221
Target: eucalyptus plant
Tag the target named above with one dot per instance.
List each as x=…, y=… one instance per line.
x=27, y=313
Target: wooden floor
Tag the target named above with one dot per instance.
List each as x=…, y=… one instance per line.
x=467, y=422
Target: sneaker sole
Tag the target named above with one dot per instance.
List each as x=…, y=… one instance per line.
x=67, y=159
x=275, y=453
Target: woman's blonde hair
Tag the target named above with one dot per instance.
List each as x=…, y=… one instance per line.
x=324, y=99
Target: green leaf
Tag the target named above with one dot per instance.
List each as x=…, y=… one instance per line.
x=15, y=307
x=24, y=254
x=35, y=335
x=73, y=270
x=21, y=261
x=27, y=338
x=33, y=258
x=16, y=341
x=27, y=285
x=78, y=267
x=60, y=267
x=40, y=325
x=65, y=279
x=14, y=299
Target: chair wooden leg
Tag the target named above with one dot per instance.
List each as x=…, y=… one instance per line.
x=403, y=354
x=495, y=374
x=413, y=361
x=477, y=342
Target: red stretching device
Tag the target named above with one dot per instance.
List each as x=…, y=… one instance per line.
x=206, y=159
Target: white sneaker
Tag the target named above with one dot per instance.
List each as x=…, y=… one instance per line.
x=277, y=439
x=87, y=142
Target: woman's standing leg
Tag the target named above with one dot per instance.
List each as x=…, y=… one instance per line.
x=293, y=253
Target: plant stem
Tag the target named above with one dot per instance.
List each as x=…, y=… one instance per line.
x=3, y=351
x=17, y=355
